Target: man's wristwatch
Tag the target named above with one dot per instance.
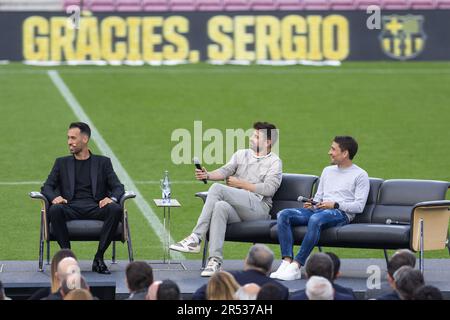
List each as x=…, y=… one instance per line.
x=336, y=205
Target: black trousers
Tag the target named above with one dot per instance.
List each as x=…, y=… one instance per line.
x=111, y=215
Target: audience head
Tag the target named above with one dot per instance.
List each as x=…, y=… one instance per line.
x=407, y=280
x=139, y=276
x=168, y=290
x=72, y=282
x=319, y=288
x=271, y=291
x=248, y=291
x=336, y=264
x=153, y=290
x=79, y=294
x=66, y=267
x=319, y=264
x=427, y=293
x=399, y=259
x=221, y=286
x=61, y=254
x=260, y=258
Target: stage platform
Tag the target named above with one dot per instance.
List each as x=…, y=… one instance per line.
x=20, y=278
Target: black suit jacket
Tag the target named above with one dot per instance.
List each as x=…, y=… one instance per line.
x=301, y=295
x=244, y=277
x=61, y=180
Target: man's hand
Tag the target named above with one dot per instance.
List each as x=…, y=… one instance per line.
x=234, y=182
x=59, y=200
x=307, y=205
x=201, y=174
x=325, y=205
x=104, y=202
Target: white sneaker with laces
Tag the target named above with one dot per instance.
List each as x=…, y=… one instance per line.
x=292, y=272
x=280, y=269
x=212, y=267
x=190, y=244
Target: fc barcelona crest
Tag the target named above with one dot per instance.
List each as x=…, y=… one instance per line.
x=402, y=37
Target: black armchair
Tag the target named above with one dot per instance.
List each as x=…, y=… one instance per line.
x=82, y=230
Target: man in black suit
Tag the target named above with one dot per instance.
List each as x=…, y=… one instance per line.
x=257, y=267
x=83, y=186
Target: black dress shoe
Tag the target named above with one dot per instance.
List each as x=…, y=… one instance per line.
x=99, y=266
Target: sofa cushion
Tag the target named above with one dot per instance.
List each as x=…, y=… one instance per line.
x=366, y=215
x=369, y=235
x=86, y=230
x=250, y=231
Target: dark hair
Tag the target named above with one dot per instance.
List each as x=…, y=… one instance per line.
x=407, y=280
x=261, y=257
x=427, y=293
x=399, y=259
x=168, y=290
x=84, y=128
x=271, y=291
x=269, y=129
x=347, y=143
x=139, y=275
x=320, y=264
x=336, y=263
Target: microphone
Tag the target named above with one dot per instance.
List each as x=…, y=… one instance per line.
x=390, y=221
x=199, y=167
x=304, y=199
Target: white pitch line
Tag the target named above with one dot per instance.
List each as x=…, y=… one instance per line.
x=106, y=150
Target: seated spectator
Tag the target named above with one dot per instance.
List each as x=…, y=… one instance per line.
x=221, y=286
x=65, y=267
x=321, y=265
x=139, y=276
x=2, y=293
x=399, y=259
x=168, y=290
x=319, y=288
x=336, y=274
x=271, y=291
x=427, y=293
x=248, y=291
x=407, y=280
x=55, y=284
x=153, y=290
x=79, y=294
x=257, y=267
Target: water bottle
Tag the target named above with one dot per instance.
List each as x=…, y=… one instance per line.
x=165, y=187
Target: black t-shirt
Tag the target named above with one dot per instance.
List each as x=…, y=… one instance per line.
x=83, y=186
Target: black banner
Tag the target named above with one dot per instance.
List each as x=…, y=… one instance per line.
x=225, y=36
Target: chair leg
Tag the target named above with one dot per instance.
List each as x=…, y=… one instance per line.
x=320, y=248
x=129, y=244
x=113, y=252
x=386, y=257
x=205, y=249
x=421, y=257
x=48, y=252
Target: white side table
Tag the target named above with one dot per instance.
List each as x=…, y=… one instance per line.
x=166, y=209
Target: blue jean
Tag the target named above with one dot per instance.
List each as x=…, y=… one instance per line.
x=316, y=220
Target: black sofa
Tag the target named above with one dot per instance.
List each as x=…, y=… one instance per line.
x=399, y=214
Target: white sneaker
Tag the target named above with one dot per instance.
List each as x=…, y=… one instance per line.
x=292, y=272
x=213, y=266
x=280, y=269
x=190, y=244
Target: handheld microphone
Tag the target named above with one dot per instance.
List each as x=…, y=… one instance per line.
x=304, y=199
x=199, y=167
x=390, y=221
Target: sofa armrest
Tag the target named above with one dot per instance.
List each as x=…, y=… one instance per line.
x=127, y=195
x=436, y=203
x=39, y=196
x=202, y=195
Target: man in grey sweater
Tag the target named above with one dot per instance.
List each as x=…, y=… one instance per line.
x=342, y=193
x=252, y=178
